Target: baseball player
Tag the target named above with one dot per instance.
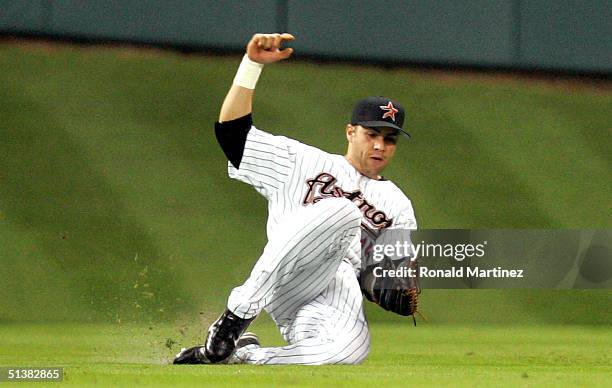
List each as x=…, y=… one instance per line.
x=325, y=211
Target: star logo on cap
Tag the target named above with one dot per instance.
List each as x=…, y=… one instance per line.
x=390, y=110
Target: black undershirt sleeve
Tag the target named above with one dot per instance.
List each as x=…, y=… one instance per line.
x=232, y=136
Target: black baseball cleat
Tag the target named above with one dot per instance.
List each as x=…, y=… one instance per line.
x=193, y=355
x=223, y=336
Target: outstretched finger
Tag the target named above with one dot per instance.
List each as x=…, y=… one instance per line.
x=287, y=36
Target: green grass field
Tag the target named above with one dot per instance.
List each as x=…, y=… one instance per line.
x=121, y=234
x=401, y=355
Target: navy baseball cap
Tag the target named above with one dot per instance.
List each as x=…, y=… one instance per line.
x=377, y=112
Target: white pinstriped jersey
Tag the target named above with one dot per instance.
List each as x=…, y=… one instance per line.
x=290, y=175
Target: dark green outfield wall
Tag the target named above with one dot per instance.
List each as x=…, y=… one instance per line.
x=538, y=34
x=115, y=202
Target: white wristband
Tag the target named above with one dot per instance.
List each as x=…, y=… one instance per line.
x=248, y=73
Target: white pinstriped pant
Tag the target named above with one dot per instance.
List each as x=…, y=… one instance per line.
x=304, y=281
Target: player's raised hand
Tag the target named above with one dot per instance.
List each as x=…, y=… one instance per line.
x=266, y=48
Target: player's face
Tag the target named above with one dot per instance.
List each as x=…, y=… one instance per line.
x=370, y=149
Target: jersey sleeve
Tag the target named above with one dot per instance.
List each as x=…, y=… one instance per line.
x=399, y=234
x=406, y=223
x=266, y=162
x=406, y=218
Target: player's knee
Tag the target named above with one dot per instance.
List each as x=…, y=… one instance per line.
x=355, y=214
x=346, y=203
x=346, y=209
x=334, y=210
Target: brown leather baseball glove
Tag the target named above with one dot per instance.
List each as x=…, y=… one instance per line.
x=391, y=287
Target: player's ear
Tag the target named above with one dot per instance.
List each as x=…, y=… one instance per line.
x=350, y=132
